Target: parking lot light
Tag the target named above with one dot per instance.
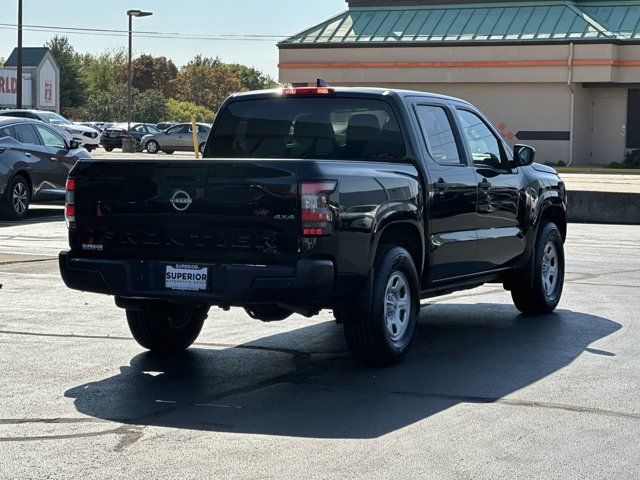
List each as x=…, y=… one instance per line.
x=131, y=14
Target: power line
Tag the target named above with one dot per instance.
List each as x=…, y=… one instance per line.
x=145, y=34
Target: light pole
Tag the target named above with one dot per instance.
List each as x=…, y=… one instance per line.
x=131, y=14
x=19, y=63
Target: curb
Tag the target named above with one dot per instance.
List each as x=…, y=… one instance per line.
x=603, y=207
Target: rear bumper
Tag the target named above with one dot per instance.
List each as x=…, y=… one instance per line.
x=307, y=282
x=115, y=142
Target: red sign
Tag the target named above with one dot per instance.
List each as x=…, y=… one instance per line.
x=8, y=84
x=48, y=91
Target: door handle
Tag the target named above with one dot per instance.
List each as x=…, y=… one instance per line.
x=441, y=184
x=27, y=154
x=484, y=184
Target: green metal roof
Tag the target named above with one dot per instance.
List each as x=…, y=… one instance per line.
x=31, y=56
x=535, y=21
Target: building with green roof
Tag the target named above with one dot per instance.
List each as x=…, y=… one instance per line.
x=563, y=76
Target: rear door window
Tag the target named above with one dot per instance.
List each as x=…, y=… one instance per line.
x=26, y=134
x=311, y=127
x=438, y=134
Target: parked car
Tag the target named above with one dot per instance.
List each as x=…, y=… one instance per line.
x=87, y=137
x=444, y=203
x=178, y=137
x=164, y=125
x=35, y=160
x=111, y=137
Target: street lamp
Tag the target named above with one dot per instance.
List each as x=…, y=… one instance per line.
x=131, y=14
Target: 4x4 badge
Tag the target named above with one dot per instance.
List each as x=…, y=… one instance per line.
x=181, y=200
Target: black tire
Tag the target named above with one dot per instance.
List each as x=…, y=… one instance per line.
x=267, y=312
x=168, y=152
x=201, y=148
x=108, y=149
x=544, y=294
x=166, y=328
x=152, y=147
x=367, y=334
x=14, y=204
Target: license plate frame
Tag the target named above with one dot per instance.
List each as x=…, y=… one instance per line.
x=186, y=278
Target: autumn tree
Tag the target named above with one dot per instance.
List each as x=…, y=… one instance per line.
x=205, y=84
x=158, y=73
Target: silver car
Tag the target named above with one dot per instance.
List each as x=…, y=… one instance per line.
x=178, y=137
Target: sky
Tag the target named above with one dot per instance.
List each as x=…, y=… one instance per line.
x=257, y=17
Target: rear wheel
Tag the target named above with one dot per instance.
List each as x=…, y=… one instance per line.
x=381, y=333
x=168, y=152
x=15, y=202
x=201, y=148
x=108, y=149
x=544, y=294
x=166, y=328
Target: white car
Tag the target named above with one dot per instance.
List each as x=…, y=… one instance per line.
x=87, y=137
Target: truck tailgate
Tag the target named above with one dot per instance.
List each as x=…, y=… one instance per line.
x=203, y=210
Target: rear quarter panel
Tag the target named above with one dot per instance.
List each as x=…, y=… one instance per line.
x=369, y=197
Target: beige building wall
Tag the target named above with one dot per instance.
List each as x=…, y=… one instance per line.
x=523, y=88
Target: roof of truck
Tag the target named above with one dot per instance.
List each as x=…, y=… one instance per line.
x=372, y=91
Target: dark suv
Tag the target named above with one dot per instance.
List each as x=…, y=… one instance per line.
x=364, y=201
x=35, y=160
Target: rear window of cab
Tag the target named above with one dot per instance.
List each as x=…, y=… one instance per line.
x=308, y=128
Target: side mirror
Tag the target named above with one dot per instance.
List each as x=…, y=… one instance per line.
x=524, y=155
x=73, y=144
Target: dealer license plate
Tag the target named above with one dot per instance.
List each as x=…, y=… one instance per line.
x=190, y=278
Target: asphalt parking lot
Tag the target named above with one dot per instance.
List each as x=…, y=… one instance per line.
x=485, y=392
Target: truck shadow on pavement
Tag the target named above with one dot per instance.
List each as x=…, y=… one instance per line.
x=297, y=384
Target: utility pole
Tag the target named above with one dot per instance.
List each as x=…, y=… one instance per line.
x=19, y=63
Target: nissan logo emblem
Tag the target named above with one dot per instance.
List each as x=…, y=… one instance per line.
x=181, y=200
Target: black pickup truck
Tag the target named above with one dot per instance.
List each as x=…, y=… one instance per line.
x=359, y=200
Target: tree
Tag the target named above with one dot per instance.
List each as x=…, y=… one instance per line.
x=251, y=78
x=72, y=92
x=103, y=72
x=149, y=106
x=187, y=111
x=205, y=84
x=149, y=72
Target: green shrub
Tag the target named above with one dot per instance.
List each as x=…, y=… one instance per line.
x=631, y=161
x=186, y=111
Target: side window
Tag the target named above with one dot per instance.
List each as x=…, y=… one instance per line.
x=438, y=134
x=7, y=132
x=26, y=134
x=484, y=146
x=49, y=138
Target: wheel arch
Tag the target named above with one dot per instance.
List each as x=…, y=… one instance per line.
x=404, y=234
x=556, y=214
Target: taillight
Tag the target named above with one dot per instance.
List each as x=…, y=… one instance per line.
x=315, y=208
x=69, y=206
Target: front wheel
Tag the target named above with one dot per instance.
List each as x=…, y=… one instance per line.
x=152, y=146
x=166, y=328
x=16, y=199
x=381, y=333
x=108, y=149
x=544, y=294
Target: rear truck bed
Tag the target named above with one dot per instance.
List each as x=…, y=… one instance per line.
x=228, y=232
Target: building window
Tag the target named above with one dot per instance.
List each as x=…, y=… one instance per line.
x=633, y=119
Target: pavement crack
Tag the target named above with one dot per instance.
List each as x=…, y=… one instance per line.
x=521, y=403
x=21, y=421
